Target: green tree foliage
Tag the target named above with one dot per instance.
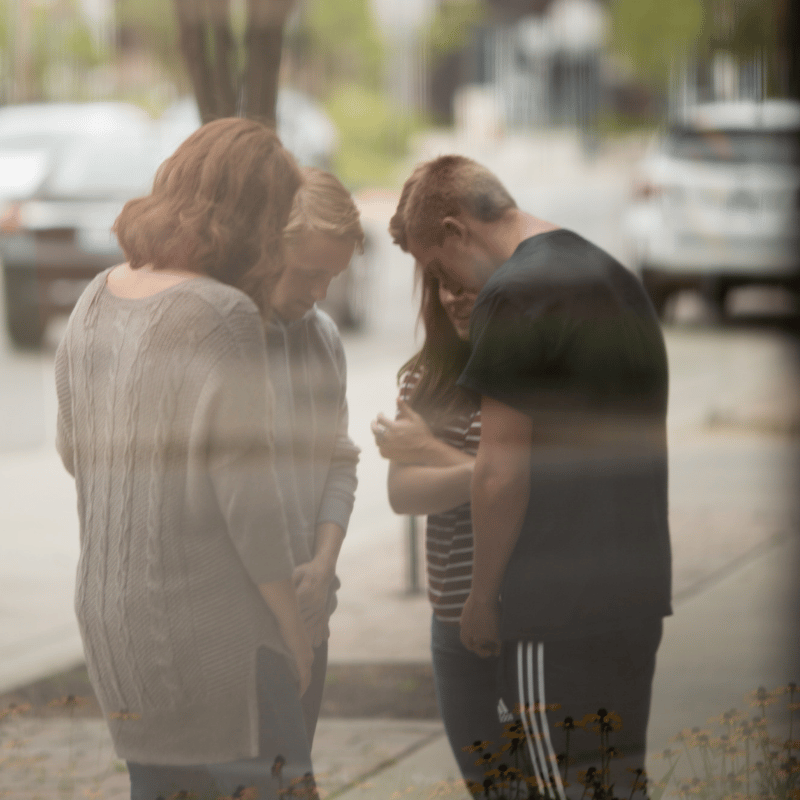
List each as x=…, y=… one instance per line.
x=453, y=26
x=53, y=56
x=346, y=41
x=155, y=27
x=652, y=34
x=373, y=134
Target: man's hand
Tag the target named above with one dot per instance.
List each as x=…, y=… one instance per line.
x=312, y=585
x=480, y=626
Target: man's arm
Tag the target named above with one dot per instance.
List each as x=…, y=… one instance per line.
x=500, y=492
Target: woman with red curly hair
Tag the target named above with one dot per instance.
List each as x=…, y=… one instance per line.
x=191, y=630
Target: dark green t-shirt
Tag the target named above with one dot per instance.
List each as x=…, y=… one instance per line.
x=565, y=334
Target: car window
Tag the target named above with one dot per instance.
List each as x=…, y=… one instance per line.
x=107, y=167
x=779, y=147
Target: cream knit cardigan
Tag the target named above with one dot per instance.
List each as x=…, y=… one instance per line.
x=164, y=419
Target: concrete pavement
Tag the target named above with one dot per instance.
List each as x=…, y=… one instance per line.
x=725, y=639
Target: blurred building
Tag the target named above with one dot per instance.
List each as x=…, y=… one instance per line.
x=536, y=62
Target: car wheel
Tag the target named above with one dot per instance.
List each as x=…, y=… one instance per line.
x=658, y=289
x=714, y=292
x=24, y=319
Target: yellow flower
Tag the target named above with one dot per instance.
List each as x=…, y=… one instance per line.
x=512, y=746
x=761, y=698
x=15, y=710
x=124, y=715
x=727, y=718
x=503, y=771
x=513, y=730
x=476, y=747
x=486, y=759
x=68, y=701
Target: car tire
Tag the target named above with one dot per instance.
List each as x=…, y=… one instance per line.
x=714, y=292
x=24, y=320
x=658, y=288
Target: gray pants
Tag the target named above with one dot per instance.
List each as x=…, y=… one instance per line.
x=282, y=732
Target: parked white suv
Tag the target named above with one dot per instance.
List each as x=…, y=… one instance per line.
x=717, y=203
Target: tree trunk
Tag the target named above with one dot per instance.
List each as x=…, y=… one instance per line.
x=208, y=47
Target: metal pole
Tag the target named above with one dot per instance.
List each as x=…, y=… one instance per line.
x=412, y=577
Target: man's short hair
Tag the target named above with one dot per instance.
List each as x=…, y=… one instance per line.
x=323, y=205
x=448, y=186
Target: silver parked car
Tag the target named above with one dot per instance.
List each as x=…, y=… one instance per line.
x=66, y=169
x=718, y=202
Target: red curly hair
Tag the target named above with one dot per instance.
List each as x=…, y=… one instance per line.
x=218, y=208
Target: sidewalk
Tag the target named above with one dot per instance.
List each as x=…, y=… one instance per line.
x=724, y=641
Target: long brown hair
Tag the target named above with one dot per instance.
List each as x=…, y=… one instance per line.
x=440, y=361
x=218, y=208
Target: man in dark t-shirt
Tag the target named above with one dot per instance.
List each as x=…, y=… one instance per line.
x=571, y=574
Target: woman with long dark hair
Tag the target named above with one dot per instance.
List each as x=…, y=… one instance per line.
x=431, y=445
x=190, y=624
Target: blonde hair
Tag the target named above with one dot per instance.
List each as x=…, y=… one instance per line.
x=323, y=205
x=448, y=186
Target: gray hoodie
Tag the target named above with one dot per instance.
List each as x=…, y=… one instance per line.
x=315, y=458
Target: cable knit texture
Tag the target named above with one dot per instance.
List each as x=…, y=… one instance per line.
x=165, y=419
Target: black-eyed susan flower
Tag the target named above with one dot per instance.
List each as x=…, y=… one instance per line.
x=473, y=787
x=124, y=715
x=15, y=710
x=513, y=730
x=477, y=746
x=604, y=722
x=568, y=724
x=761, y=698
x=69, y=701
x=728, y=718
x=512, y=746
x=504, y=772
x=486, y=759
